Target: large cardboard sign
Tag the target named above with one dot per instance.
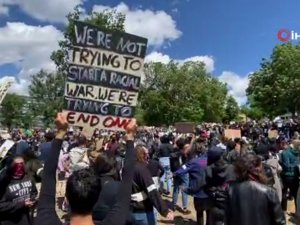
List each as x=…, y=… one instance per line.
x=104, y=77
x=185, y=127
x=232, y=133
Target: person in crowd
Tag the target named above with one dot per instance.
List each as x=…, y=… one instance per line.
x=195, y=168
x=269, y=159
x=250, y=201
x=234, y=148
x=18, y=196
x=33, y=166
x=73, y=141
x=79, y=155
x=45, y=147
x=83, y=186
x=180, y=156
x=106, y=169
x=113, y=145
x=21, y=145
x=155, y=168
x=156, y=171
x=218, y=176
x=154, y=146
x=164, y=153
x=222, y=143
x=145, y=195
x=290, y=172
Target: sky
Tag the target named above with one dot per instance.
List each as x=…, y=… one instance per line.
x=231, y=37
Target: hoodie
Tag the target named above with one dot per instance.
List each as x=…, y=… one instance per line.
x=290, y=162
x=196, y=170
x=218, y=177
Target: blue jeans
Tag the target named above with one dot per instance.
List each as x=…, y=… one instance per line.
x=144, y=218
x=180, y=181
x=167, y=177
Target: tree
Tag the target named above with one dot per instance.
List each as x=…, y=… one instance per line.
x=231, y=109
x=11, y=110
x=46, y=92
x=252, y=112
x=275, y=87
x=176, y=92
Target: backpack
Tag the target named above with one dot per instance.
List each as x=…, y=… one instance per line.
x=219, y=195
x=269, y=174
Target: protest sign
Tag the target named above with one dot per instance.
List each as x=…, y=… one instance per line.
x=272, y=134
x=5, y=147
x=232, y=133
x=185, y=127
x=103, y=79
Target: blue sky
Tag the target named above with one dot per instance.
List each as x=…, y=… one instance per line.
x=230, y=36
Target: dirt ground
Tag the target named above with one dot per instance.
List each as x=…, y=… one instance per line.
x=180, y=219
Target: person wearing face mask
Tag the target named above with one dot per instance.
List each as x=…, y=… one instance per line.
x=18, y=196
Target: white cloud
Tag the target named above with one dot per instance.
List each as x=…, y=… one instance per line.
x=52, y=10
x=20, y=87
x=207, y=60
x=160, y=57
x=157, y=57
x=28, y=48
x=158, y=26
x=237, y=85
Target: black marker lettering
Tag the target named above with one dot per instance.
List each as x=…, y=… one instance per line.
x=84, y=54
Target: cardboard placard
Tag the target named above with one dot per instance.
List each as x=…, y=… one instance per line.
x=104, y=77
x=272, y=134
x=5, y=147
x=232, y=133
x=185, y=127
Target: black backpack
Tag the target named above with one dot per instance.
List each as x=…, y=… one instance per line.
x=269, y=175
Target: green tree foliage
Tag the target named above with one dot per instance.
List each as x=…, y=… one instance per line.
x=275, y=87
x=46, y=91
x=11, y=110
x=175, y=92
x=253, y=112
x=232, y=109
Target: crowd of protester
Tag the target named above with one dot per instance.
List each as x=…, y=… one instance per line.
x=118, y=178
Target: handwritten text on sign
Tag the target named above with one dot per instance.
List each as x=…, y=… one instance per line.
x=96, y=121
x=103, y=78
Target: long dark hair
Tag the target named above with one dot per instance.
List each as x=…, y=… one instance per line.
x=106, y=165
x=249, y=167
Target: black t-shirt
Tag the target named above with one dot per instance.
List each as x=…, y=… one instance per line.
x=155, y=168
x=165, y=150
x=12, y=203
